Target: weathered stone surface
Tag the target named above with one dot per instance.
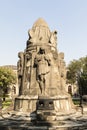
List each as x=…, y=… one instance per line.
x=42, y=72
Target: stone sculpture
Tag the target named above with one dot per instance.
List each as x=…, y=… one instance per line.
x=42, y=72
x=20, y=70
x=62, y=70
x=53, y=38
x=42, y=62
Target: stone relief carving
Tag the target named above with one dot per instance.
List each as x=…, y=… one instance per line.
x=39, y=33
x=28, y=69
x=39, y=65
x=53, y=38
x=20, y=70
x=62, y=70
x=42, y=63
x=42, y=72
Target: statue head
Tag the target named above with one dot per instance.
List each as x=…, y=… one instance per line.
x=42, y=50
x=20, y=54
x=28, y=56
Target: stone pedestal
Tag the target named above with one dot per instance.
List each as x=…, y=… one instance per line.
x=58, y=105
x=25, y=103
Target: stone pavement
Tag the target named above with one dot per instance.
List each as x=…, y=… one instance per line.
x=20, y=121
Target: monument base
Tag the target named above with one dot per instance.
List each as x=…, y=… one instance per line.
x=44, y=118
x=25, y=103
x=59, y=105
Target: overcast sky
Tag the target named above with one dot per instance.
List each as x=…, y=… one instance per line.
x=68, y=17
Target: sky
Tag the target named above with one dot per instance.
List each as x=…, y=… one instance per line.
x=68, y=17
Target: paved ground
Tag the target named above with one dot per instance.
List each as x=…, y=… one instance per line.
x=20, y=121
x=12, y=120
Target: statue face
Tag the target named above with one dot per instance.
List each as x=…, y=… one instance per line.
x=28, y=56
x=42, y=51
x=20, y=54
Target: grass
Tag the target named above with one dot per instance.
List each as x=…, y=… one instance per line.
x=6, y=103
x=76, y=102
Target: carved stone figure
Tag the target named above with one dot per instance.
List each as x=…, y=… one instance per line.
x=28, y=69
x=53, y=38
x=42, y=62
x=62, y=70
x=20, y=70
x=39, y=33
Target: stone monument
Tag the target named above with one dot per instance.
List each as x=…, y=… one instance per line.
x=42, y=103
x=42, y=74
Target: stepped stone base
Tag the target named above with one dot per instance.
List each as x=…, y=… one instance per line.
x=57, y=104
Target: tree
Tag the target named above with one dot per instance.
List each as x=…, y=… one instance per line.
x=77, y=72
x=72, y=70
x=7, y=77
x=83, y=77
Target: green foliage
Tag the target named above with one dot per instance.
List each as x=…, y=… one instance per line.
x=83, y=79
x=76, y=102
x=77, y=72
x=6, y=103
x=73, y=67
x=7, y=77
